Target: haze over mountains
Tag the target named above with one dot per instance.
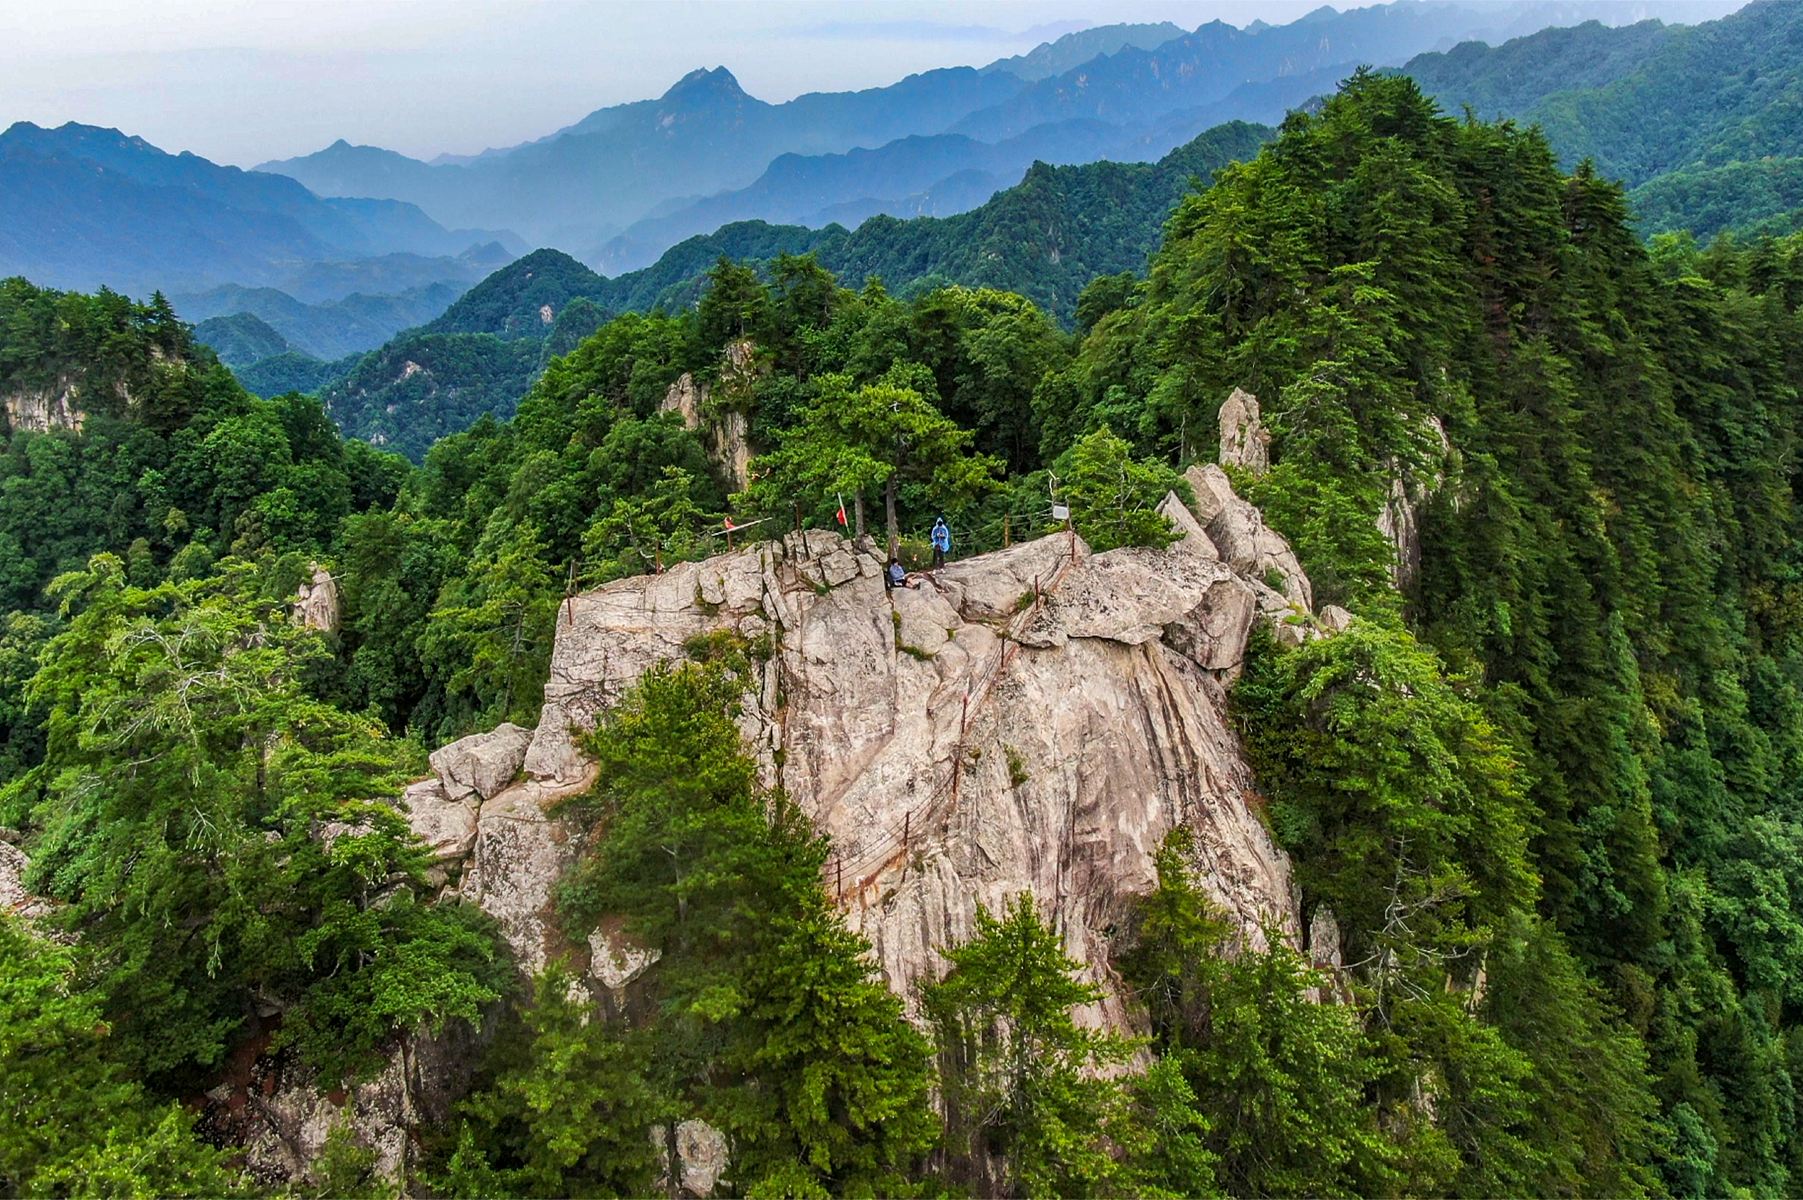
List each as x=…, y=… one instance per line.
x=653, y=171
x=1035, y=173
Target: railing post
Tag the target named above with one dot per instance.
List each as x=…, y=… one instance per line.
x=839, y=879
x=907, y=825
x=1006, y=540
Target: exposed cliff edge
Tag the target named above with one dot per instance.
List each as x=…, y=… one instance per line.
x=959, y=740
x=1035, y=719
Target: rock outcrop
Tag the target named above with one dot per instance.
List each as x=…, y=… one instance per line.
x=1238, y=530
x=1400, y=518
x=316, y=602
x=718, y=413
x=1032, y=720
x=14, y=898
x=40, y=410
x=1245, y=443
x=1036, y=719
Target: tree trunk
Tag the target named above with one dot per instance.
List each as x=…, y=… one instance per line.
x=889, y=512
x=857, y=509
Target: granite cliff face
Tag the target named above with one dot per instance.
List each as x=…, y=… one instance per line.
x=1035, y=719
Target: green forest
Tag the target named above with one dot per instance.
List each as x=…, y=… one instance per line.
x=1549, y=784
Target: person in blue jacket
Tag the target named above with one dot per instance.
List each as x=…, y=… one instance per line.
x=942, y=542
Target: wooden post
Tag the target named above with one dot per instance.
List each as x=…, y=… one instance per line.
x=1073, y=532
x=839, y=879
x=907, y=824
x=1006, y=540
x=660, y=560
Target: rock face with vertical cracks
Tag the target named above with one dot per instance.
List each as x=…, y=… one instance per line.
x=1033, y=720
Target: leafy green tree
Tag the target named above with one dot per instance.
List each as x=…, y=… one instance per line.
x=214, y=832
x=566, y=1110
x=877, y=437
x=1281, y=1077
x=1113, y=497
x=489, y=640
x=1024, y=1112
x=769, y=1022
x=75, y=1121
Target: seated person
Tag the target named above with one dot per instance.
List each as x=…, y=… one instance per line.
x=894, y=576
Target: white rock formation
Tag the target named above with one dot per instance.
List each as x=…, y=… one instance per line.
x=40, y=410
x=1245, y=542
x=14, y=898
x=1245, y=443
x=316, y=603
x=960, y=742
x=701, y=1155
x=481, y=764
x=726, y=433
x=1400, y=518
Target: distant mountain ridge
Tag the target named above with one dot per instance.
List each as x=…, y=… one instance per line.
x=624, y=171
x=704, y=134
x=328, y=330
x=90, y=207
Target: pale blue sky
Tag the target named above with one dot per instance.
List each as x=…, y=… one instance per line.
x=241, y=82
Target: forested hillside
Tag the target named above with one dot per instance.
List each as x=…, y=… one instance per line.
x=1046, y=238
x=1545, y=781
x=1699, y=121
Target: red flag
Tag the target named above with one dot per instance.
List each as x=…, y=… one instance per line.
x=841, y=510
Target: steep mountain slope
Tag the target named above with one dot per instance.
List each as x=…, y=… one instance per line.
x=522, y=299
x=477, y=357
x=1727, y=142
x=92, y=206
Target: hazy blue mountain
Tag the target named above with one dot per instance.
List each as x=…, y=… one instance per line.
x=1075, y=49
x=1202, y=68
x=328, y=330
x=804, y=189
x=383, y=274
x=1045, y=237
x=240, y=339
x=88, y=207
x=703, y=135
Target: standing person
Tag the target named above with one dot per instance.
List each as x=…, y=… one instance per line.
x=942, y=542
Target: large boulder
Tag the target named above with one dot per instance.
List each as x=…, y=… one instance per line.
x=1245, y=443
x=445, y=824
x=702, y=1156
x=481, y=764
x=1246, y=543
